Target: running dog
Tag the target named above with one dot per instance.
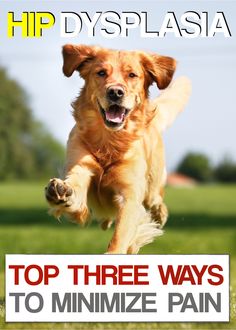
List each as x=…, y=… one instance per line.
x=115, y=168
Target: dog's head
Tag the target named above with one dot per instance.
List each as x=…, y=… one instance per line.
x=117, y=82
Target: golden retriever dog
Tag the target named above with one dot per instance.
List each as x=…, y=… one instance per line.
x=115, y=169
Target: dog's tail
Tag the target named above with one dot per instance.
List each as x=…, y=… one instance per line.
x=146, y=232
x=171, y=102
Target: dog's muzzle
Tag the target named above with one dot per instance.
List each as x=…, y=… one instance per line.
x=114, y=115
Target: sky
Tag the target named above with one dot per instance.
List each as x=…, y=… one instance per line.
x=208, y=123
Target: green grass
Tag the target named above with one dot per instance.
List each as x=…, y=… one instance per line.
x=202, y=220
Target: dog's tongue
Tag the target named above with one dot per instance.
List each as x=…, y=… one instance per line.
x=115, y=114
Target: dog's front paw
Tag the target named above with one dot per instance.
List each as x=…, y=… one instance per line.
x=58, y=192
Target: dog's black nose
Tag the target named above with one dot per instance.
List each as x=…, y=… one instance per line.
x=115, y=93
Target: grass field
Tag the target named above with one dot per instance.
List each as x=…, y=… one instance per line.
x=202, y=220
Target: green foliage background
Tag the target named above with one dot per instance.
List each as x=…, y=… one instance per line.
x=27, y=149
x=197, y=166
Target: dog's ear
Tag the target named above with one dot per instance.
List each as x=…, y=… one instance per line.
x=159, y=68
x=75, y=56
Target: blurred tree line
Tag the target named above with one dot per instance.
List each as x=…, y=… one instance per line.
x=27, y=149
x=199, y=167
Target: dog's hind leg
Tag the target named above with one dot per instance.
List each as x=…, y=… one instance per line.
x=106, y=224
x=159, y=214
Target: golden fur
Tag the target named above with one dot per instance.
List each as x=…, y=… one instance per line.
x=115, y=156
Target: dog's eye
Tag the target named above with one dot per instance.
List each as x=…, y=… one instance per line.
x=132, y=75
x=101, y=73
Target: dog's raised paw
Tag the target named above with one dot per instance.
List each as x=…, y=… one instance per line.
x=58, y=192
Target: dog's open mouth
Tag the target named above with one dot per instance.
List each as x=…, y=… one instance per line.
x=114, y=115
